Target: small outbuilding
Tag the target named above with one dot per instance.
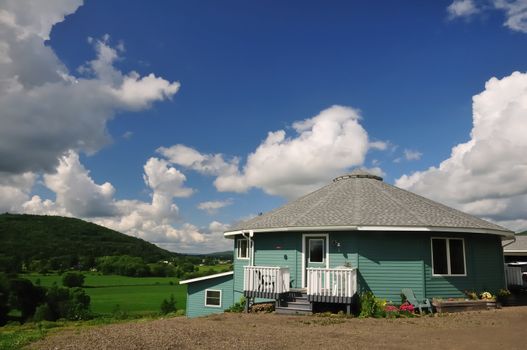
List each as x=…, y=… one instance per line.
x=358, y=234
x=209, y=295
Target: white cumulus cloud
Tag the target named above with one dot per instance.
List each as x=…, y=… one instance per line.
x=515, y=11
x=487, y=175
x=212, y=207
x=412, y=154
x=45, y=110
x=320, y=148
x=462, y=8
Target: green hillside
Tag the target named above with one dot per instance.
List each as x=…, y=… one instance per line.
x=66, y=241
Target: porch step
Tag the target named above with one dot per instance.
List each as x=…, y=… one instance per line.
x=298, y=305
x=292, y=311
x=295, y=303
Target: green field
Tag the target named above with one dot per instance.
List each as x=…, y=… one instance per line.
x=217, y=268
x=134, y=295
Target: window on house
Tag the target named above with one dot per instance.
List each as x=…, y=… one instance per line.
x=448, y=256
x=316, y=250
x=242, y=248
x=213, y=298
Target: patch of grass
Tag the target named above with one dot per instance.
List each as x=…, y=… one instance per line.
x=134, y=295
x=135, y=299
x=16, y=336
x=98, y=280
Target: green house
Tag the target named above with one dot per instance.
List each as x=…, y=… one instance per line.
x=360, y=234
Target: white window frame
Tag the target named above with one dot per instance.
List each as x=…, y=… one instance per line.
x=323, y=250
x=213, y=290
x=304, y=260
x=449, y=269
x=238, y=249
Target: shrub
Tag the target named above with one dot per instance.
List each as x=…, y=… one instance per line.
x=238, y=307
x=72, y=304
x=503, y=294
x=73, y=279
x=57, y=301
x=168, y=306
x=78, y=305
x=391, y=311
x=43, y=313
x=371, y=306
x=471, y=295
x=119, y=314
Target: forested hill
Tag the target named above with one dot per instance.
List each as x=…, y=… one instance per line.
x=26, y=238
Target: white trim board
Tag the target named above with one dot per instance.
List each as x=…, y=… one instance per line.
x=213, y=290
x=449, y=268
x=326, y=235
x=206, y=277
x=504, y=234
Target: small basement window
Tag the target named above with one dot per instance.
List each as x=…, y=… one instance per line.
x=242, y=248
x=448, y=257
x=213, y=297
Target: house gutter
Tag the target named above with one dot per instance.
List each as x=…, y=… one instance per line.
x=503, y=234
x=513, y=240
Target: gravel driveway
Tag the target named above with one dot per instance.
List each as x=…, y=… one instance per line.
x=495, y=329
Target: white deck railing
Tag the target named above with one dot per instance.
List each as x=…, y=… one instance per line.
x=513, y=275
x=266, y=279
x=334, y=283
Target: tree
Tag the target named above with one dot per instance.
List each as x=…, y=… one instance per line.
x=24, y=296
x=4, y=295
x=72, y=304
x=73, y=279
x=79, y=305
x=168, y=306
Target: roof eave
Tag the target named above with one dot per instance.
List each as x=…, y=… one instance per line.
x=503, y=234
x=206, y=277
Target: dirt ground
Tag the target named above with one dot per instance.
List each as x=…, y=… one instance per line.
x=495, y=329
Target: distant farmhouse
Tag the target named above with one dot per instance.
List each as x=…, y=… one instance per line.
x=355, y=234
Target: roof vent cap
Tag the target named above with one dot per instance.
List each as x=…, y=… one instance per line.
x=358, y=174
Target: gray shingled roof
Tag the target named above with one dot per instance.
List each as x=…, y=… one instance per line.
x=363, y=199
x=520, y=244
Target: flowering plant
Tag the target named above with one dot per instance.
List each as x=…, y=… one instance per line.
x=406, y=307
x=391, y=308
x=486, y=296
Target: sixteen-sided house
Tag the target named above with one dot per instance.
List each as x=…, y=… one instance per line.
x=355, y=234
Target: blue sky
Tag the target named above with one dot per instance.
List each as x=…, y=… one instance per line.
x=228, y=73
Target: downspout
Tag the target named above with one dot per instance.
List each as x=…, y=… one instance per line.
x=513, y=240
x=503, y=255
x=251, y=259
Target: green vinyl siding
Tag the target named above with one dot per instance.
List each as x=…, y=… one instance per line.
x=347, y=253
x=196, y=296
x=484, y=262
x=386, y=261
x=281, y=250
x=389, y=262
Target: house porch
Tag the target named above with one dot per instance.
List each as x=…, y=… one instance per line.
x=323, y=285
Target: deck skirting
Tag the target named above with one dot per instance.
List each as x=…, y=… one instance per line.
x=329, y=299
x=261, y=294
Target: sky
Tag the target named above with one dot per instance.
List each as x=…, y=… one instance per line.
x=172, y=120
